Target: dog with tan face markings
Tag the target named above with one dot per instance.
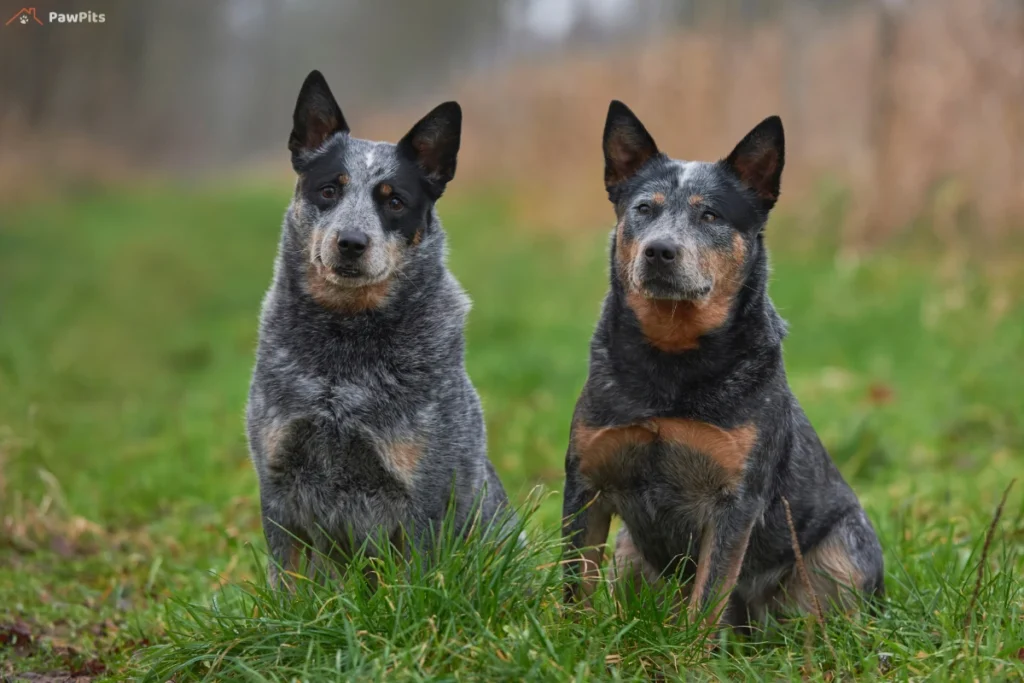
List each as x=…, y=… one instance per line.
x=362, y=423
x=686, y=426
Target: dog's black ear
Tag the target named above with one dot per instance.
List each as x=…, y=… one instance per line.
x=627, y=146
x=317, y=116
x=433, y=144
x=758, y=160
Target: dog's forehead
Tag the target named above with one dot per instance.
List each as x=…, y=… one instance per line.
x=371, y=161
x=684, y=177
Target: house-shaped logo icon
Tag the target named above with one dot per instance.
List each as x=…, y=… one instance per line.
x=24, y=16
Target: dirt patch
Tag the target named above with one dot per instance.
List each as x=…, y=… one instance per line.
x=46, y=655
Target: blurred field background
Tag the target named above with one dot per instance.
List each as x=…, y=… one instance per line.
x=143, y=176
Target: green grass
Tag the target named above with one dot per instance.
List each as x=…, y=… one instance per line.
x=130, y=514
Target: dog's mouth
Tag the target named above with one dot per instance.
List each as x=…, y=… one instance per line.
x=348, y=277
x=671, y=289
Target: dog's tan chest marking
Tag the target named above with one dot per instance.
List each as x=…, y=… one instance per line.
x=399, y=456
x=346, y=300
x=402, y=457
x=600, y=448
x=677, y=326
x=271, y=434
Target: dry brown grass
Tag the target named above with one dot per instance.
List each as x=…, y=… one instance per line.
x=919, y=114
x=916, y=113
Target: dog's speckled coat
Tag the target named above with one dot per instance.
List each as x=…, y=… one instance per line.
x=686, y=426
x=362, y=421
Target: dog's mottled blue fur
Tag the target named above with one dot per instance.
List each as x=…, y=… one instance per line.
x=362, y=421
x=686, y=426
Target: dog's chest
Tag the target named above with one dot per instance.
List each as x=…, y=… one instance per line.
x=342, y=479
x=343, y=453
x=667, y=466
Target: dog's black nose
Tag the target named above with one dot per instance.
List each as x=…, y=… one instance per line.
x=352, y=243
x=660, y=251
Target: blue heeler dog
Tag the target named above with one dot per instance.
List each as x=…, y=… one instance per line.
x=362, y=422
x=686, y=426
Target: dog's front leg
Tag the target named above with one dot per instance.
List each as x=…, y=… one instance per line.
x=724, y=541
x=585, y=523
x=286, y=553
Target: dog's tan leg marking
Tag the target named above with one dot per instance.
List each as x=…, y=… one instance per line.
x=595, y=537
x=732, y=574
x=629, y=568
x=295, y=555
x=704, y=560
x=677, y=326
x=833, y=576
x=291, y=564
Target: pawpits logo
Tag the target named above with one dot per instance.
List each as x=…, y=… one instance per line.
x=24, y=16
x=77, y=18
x=29, y=15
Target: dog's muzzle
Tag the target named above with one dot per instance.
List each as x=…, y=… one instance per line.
x=666, y=273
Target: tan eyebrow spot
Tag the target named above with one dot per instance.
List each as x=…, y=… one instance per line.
x=658, y=198
x=343, y=179
x=386, y=190
x=696, y=199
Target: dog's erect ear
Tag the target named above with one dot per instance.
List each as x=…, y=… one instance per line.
x=433, y=144
x=757, y=161
x=627, y=145
x=317, y=116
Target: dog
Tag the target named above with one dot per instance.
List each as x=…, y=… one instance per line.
x=686, y=426
x=362, y=423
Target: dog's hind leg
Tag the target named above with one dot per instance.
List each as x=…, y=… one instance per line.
x=843, y=569
x=629, y=570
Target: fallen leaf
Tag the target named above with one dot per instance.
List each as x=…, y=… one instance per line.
x=90, y=667
x=62, y=546
x=880, y=394
x=18, y=634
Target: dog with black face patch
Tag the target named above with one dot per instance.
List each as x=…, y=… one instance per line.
x=362, y=422
x=686, y=426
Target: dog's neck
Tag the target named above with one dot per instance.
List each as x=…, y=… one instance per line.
x=416, y=290
x=752, y=327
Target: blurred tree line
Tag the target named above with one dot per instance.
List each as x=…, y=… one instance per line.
x=197, y=82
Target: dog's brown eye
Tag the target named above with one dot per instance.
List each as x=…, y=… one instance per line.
x=329, y=192
x=709, y=217
x=644, y=209
x=395, y=204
